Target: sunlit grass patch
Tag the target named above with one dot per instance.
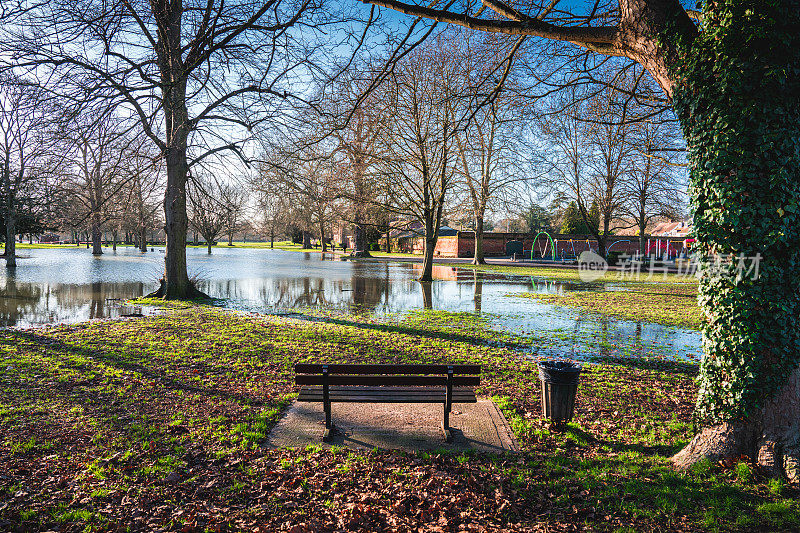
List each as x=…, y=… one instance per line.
x=177, y=408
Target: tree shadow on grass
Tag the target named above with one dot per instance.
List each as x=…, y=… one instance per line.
x=671, y=367
x=117, y=362
x=472, y=340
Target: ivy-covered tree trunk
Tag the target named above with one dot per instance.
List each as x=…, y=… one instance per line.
x=738, y=99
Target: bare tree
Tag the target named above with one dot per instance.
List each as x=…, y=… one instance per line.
x=24, y=151
x=199, y=75
x=142, y=203
x=358, y=144
x=419, y=148
x=656, y=181
x=208, y=212
x=493, y=159
x=102, y=155
x=609, y=162
x=273, y=209
x=309, y=177
x=234, y=196
x=566, y=155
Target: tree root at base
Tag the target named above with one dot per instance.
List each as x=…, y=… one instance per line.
x=192, y=293
x=769, y=439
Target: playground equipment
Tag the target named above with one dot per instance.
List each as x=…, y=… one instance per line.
x=616, y=242
x=550, y=240
x=665, y=248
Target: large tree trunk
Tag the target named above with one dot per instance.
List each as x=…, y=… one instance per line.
x=11, y=244
x=176, y=278
x=306, y=240
x=478, y=258
x=738, y=110
x=143, y=238
x=360, y=244
x=97, y=236
x=114, y=240
x=770, y=436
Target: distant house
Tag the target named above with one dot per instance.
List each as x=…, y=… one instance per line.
x=672, y=229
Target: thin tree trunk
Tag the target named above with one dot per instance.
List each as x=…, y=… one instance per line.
x=478, y=258
x=427, y=262
x=322, y=235
x=642, y=236
x=478, y=294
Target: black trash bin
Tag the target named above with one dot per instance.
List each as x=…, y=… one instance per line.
x=559, y=386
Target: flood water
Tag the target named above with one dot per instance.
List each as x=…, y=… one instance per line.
x=70, y=285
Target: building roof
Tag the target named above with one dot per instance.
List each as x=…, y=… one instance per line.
x=672, y=229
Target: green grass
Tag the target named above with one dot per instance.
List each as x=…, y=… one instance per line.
x=160, y=422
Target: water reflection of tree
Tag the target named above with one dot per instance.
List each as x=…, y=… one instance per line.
x=18, y=300
x=294, y=292
x=368, y=290
x=39, y=303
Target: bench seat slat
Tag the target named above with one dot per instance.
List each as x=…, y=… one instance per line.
x=389, y=381
x=315, y=368
x=391, y=395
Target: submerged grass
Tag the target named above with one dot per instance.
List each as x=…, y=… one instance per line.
x=159, y=422
x=570, y=273
x=660, y=303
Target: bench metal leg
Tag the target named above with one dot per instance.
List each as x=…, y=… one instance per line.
x=327, y=436
x=448, y=405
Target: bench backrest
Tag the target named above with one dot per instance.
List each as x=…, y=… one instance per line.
x=387, y=375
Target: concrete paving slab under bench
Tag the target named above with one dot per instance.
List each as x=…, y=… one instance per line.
x=412, y=427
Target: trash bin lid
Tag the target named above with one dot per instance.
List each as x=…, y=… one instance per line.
x=566, y=372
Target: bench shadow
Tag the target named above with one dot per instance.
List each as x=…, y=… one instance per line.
x=303, y=425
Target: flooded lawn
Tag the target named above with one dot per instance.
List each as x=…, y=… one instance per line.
x=70, y=285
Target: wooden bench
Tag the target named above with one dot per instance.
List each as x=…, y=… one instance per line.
x=329, y=383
